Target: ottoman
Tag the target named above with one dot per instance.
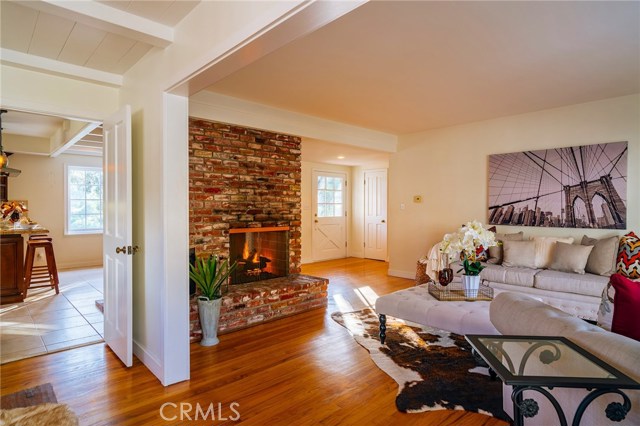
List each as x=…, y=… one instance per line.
x=415, y=304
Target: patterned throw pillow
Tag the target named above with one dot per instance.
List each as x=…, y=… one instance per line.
x=629, y=256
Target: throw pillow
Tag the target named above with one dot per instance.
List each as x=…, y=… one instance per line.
x=519, y=253
x=626, y=303
x=545, y=246
x=570, y=258
x=495, y=252
x=602, y=260
x=629, y=256
x=605, y=312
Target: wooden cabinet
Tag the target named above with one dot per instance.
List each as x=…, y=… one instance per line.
x=11, y=268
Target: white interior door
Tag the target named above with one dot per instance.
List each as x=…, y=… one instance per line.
x=329, y=236
x=375, y=214
x=118, y=316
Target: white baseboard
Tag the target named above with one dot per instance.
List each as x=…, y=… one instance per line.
x=78, y=265
x=402, y=274
x=150, y=361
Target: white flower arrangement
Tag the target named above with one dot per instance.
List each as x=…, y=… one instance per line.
x=466, y=241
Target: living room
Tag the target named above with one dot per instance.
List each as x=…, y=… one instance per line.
x=444, y=162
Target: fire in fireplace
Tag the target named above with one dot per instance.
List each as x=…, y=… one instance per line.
x=261, y=253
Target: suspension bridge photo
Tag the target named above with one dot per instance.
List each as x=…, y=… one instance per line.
x=575, y=187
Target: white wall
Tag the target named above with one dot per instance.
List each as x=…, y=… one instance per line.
x=448, y=167
x=160, y=172
x=41, y=183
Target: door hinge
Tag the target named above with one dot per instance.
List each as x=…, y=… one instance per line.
x=345, y=243
x=345, y=214
x=345, y=183
x=364, y=244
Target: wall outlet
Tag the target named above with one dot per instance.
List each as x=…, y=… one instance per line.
x=417, y=198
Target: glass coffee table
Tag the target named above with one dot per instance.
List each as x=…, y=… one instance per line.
x=538, y=363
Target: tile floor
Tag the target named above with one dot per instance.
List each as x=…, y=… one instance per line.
x=46, y=322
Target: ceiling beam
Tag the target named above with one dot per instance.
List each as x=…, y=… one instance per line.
x=20, y=144
x=51, y=66
x=72, y=133
x=107, y=18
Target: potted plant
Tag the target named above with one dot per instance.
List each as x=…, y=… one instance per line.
x=470, y=239
x=209, y=275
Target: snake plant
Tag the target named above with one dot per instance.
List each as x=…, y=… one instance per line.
x=209, y=275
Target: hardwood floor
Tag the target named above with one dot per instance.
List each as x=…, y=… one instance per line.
x=301, y=370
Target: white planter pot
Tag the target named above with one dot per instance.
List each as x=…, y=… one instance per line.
x=209, y=312
x=471, y=285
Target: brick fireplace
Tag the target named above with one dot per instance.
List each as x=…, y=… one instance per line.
x=244, y=187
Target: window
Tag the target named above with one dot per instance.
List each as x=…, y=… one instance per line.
x=330, y=200
x=83, y=190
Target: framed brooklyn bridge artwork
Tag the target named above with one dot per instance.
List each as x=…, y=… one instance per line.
x=575, y=187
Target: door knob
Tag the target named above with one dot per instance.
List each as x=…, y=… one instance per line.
x=122, y=249
x=316, y=221
x=136, y=249
x=384, y=221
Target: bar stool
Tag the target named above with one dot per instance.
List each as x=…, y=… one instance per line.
x=40, y=274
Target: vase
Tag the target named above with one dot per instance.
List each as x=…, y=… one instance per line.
x=471, y=285
x=445, y=276
x=209, y=312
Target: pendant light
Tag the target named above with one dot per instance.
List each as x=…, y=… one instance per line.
x=4, y=159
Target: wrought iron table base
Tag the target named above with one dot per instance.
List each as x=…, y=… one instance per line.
x=522, y=408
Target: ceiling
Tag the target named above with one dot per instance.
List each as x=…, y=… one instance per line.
x=38, y=134
x=393, y=66
x=405, y=67
x=102, y=39
x=89, y=34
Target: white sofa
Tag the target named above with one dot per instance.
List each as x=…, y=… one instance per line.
x=576, y=294
x=518, y=314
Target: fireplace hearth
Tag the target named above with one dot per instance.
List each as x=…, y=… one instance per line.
x=260, y=253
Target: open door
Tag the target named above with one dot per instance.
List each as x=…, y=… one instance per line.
x=117, y=250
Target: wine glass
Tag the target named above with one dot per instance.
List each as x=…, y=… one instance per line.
x=445, y=276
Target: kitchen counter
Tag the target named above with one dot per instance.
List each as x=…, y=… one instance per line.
x=12, y=262
x=23, y=231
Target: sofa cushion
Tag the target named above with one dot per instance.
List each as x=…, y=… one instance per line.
x=520, y=276
x=626, y=302
x=628, y=262
x=587, y=284
x=570, y=258
x=495, y=252
x=519, y=253
x=493, y=273
x=602, y=259
x=545, y=249
x=519, y=314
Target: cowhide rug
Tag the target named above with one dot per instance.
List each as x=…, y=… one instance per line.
x=435, y=369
